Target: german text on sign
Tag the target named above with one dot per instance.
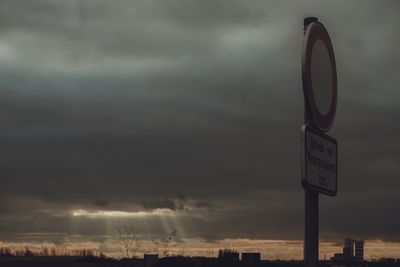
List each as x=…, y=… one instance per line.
x=319, y=162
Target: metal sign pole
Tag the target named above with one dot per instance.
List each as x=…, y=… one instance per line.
x=318, y=150
x=311, y=228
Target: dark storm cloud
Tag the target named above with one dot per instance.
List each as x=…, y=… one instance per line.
x=125, y=105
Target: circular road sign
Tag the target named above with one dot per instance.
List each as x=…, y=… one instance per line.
x=319, y=76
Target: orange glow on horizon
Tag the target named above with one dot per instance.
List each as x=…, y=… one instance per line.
x=270, y=249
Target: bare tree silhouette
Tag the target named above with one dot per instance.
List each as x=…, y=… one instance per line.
x=128, y=241
x=164, y=246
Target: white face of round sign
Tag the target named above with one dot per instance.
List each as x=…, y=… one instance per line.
x=319, y=77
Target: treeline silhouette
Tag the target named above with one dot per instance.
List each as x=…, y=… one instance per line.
x=64, y=257
x=52, y=251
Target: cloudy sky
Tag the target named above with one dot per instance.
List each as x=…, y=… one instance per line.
x=186, y=115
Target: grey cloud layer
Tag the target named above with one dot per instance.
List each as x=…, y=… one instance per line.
x=130, y=105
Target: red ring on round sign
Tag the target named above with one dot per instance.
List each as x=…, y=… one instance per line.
x=316, y=31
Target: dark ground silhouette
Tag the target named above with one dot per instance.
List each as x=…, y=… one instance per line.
x=76, y=261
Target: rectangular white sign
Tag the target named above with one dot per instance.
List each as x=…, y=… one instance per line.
x=319, y=161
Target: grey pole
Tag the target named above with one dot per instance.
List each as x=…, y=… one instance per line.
x=311, y=228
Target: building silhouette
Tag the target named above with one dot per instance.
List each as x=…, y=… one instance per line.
x=228, y=255
x=251, y=257
x=353, y=250
x=359, y=249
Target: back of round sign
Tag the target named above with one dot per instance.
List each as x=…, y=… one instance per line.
x=319, y=76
